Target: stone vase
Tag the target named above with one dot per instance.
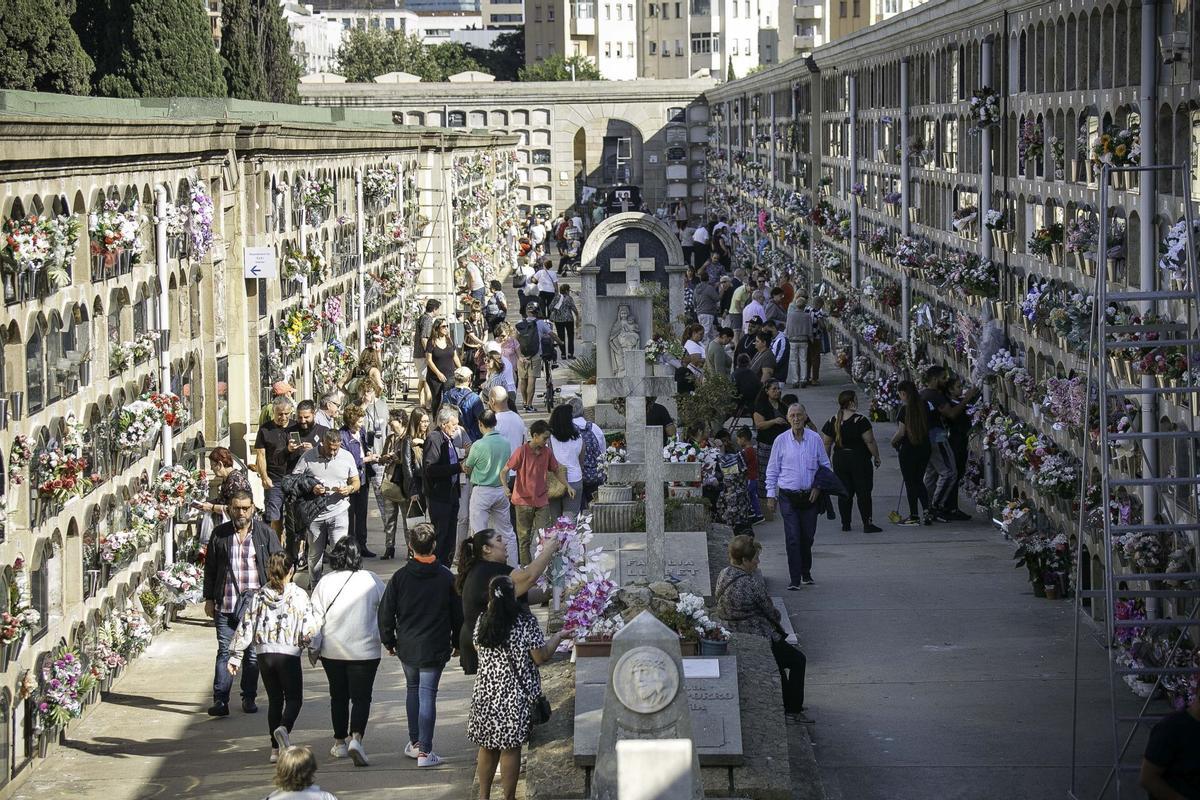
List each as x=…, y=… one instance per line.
x=613, y=517
x=614, y=493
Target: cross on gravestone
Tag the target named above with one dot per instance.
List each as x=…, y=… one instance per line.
x=655, y=472
x=634, y=387
x=633, y=265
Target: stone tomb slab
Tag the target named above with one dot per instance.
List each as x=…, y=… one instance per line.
x=714, y=703
x=624, y=555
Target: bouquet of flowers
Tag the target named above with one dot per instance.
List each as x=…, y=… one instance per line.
x=615, y=453
x=1173, y=256
x=1002, y=363
x=41, y=242
x=137, y=425
x=583, y=617
x=401, y=235
x=177, y=487
x=985, y=109
x=1144, y=551
x=1031, y=143
x=299, y=325
x=376, y=244
x=184, y=582
x=1118, y=147
x=892, y=198
x=1044, y=239
x=1170, y=362
x=137, y=632
x=112, y=230
x=103, y=652
x=678, y=451
x=995, y=220
x=1065, y=401
x=61, y=475
x=315, y=194
x=694, y=620
x=877, y=242
x=656, y=350
x=962, y=217
x=574, y=563
x=147, y=513
x=331, y=312
x=14, y=626
x=116, y=547
x=379, y=185
x=170, y=408
x=858, y=190
x=1082, y=234
x=200, y=222
x=909, y=252
x=63, y=687
x=20, y=455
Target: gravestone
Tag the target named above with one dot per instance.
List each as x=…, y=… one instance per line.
x=610, y=313
x=654, y=769
x=645, y=699
x=711, y=684
x=634, y=386
x=622, y=253
x=624, y=555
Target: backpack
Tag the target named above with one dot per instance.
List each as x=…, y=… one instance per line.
x=529, y=337
x=589, y=461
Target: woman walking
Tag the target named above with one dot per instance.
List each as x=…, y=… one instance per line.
x=441, y=357
x=354, y=441
x=474, y=336
x=851, y=445
x=418, y=430
x=510, y=646
x=278, y=622
x=419, y=620
x=567, y=446
x=346, y=604
x=565, y=316
x=483, y=556
x=396, y=456
x=368, y=371
x=233, y=481
x=743, y=604
x=495, y=307
x=912, y=446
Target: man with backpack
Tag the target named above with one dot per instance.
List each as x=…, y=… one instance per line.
x=530, y=335
x=591, y=458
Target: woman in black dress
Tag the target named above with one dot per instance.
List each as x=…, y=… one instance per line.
x=442, y=359
x=912, y=444
x=770, y=418
x=851, y=446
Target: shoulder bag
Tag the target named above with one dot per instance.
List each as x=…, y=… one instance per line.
x=539, y=707
x=318, y=639
x=555, y=488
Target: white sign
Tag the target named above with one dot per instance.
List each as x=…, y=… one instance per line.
x=259, y=262
x=701, y=668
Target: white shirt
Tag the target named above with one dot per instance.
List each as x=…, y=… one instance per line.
x=687, y=237
x=701, y=235
x=577, y=223
x=537, y=233
x=567, y=453
x=547, y=281
x=510, y=425
x=793, y=464
x=475, y=277
x=753, y=309
x=351, y=614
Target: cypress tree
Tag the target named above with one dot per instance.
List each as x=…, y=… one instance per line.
x=39, y=49
x=281, y=67
x=245, y=77
x=151, y=48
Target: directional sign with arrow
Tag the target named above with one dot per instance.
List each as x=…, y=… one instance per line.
x=259, y=262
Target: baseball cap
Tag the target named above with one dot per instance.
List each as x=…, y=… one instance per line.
x=492, y=347
x=463, y=372
x=280, y=388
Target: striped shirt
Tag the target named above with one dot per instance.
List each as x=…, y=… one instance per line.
x=242, y=569
x=793, y=464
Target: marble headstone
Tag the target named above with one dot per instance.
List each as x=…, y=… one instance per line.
x=624, y=555
x=645, y=699
x=654, y=769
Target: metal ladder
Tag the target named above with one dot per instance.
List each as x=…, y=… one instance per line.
x=1171, y=599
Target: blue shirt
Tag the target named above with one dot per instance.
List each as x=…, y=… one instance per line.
x=793, y=464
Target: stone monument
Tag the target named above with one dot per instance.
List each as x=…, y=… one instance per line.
x=658, y=769
x=644, y=700
x=633, y=386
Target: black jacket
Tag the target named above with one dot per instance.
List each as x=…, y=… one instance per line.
x=298, y=497
x=439, y=472
x=421, y=615
x=216, y=562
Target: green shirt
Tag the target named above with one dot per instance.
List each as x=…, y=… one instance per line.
x=487, y=459
x=739, y=299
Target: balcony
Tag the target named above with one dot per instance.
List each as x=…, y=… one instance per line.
x=803, y=42
x=583, y=19
x=805, y=11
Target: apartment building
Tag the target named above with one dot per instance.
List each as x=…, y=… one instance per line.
x=844, y=17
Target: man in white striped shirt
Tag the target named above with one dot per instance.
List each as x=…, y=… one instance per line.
x=795, y=457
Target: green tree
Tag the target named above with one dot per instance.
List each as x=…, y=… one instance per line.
x=729, y=76
x=449, y=58
x=245, y=77
x=505, y=57
x=557, y=68
x=279, y=63
x=150, y=48
x=364, y=54
x=39, y=49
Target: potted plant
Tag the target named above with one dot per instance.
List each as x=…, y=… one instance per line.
x=714, y=641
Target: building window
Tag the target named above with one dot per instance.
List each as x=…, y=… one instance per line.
x=735, y=47
x=390, y=23
x=608, y=50
x=678, y=47
x=629, y=49
x=540, y=50
x=857, y=8
x=549, y=13
x=607, y=11
x=345, y=23
x=666, y=49
x=768, y=21
x=701, y=43
x=654, y=48
x=746, y=42
x=618, y=43
x=735, y=10
x=537, y=13
x=842, y=9
x=360, y=23
x=666, y=14
x=767, y=53
x=652, y=10
x=456, y=119
x=629, y=9
x=678, y=14
x=619, y=11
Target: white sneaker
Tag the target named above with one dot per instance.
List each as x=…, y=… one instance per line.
x=411, y=750
x=274, y=756
x=339, y=750
x=357, y=754
x=281, y=738
x=428, y=760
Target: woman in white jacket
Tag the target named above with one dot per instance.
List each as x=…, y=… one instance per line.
x=346, y=604
x=278, y=623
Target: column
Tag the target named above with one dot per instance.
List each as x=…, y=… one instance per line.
x=360, y=284
x=1148, y=250
x=905, y=178
x=852, y=88
x=164, y=342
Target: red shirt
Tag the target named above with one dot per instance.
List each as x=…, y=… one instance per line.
x=789, y=293
x=529, y=489
x=751, y=458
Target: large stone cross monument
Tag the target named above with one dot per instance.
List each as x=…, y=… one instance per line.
x=634, y=386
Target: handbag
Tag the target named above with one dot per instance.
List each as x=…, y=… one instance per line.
x=539, y=706
x=318, y=638
x=555, y=488
x=392, y=491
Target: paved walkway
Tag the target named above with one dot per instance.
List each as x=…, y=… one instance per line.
x=933, y=672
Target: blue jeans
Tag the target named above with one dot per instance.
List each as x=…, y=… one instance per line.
x=222, y=680
x=421, y=703
x=752, y=490
x=799, y=531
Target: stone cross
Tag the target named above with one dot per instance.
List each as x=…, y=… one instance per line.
x=645, y=699
x=635, y=387
x=633, y=265
x=654, y=471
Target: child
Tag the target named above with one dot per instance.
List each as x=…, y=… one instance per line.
x=750, y=456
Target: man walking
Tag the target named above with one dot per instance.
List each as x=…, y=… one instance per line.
x=271, y=457
x=940, y=475
x=708, y=303
x=442, y=462
x=234, y=568
x=532, y=461
x=816, y=342
x=795, y=458
x=423, y=330
x=485, y=466
x=700, y=245
x=334, y=477
x=716, y=355
x=330, y=411
x=530, y=335
x=798, y=330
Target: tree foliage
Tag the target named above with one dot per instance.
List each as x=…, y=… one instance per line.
x=245, y=75
x=39, y=49
x=150, y=48
x=365, y=54
x=279, y=62
x=505, y=57
x=557, y=68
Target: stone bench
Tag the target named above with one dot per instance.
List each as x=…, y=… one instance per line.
x=785, y=621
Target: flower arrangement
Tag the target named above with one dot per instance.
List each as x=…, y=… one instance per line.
x=117, y=547
x=200, y=221
x=308, y=266
x=146, y=512
x=40, y=242
x=20, y=455
x=1170, y=362
x=694, y=621
x=60, y=470
x=678, y=451
x=1044, y=239
x=662, y=351
x=1002, y=363
x=1173, y=256
x=1082, y=234
x=615, y=453
x=985, y=109
x=858, y=190
x=104, y=651
x=121, y=355
x=877, y=242
x=1030, y=143
x=332, y=367
x=175, y=220
x=137, y=632
x=996, y=220
x=1144, y=551
x=177, y=487
x=21, y=618
x=331, y=311
x=1065, y=401
x=64, y=685
x=979, y=276
x=574, y=563
x=137, y=425
x=379, y=185
x=299, y=325
x=583, y=616
x=892, y=198
x=376, y=244
x=112, y=230
x=1118, y=147
x=315, y=194
x=909, y=252
x=962, y=217
x=184, y=582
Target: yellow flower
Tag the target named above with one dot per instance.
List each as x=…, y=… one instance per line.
x=1121, y=149
x=1105, y=139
